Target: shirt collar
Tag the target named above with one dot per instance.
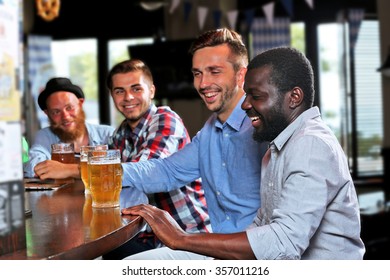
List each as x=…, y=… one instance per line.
x=147, y=116
x=236, y=118
x=283, y=137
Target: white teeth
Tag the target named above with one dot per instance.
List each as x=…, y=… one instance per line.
x=208, y=95
x=255, y=119
x=130, y=106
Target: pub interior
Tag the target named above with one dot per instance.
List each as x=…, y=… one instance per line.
x=159, y=31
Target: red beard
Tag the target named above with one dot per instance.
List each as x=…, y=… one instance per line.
x=70, y=136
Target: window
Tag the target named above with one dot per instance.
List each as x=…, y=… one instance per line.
x=368, y=88
x=77, y=60
x=350, y=94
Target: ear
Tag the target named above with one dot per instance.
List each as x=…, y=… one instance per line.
x=241, y=76
x=152, y=91
x=81, y=101
x=296, y=97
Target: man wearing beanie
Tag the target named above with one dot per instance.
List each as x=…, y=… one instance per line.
x=62, y=102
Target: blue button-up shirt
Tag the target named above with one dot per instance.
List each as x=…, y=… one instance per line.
x=227, y=159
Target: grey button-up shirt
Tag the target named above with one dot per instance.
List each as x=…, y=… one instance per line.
x=309, y=204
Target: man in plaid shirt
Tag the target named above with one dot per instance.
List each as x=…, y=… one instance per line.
x=152, y=132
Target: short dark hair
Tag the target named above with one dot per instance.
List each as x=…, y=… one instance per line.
x=127, y=66
x=222, y=36
x=289, y=68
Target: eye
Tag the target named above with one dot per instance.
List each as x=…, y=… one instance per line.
x=70, y=108
x=54, y=112
x=118, y=91
x=137, y=89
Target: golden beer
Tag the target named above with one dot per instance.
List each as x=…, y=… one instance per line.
x=84, y=151
x=67, y=157
x=63, y=152
x=105, y=178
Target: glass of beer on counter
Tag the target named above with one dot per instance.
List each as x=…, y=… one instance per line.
x=63, y=152
x=105, y=178
x=84, y=151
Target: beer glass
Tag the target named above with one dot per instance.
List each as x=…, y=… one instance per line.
x=105, y=178
x=84, y=151
x=63, y=152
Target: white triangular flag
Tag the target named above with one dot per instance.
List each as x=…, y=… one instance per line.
x=202, y=13
x=174, y=5
x=232, y=18
x=269, y=12
x=310, y=3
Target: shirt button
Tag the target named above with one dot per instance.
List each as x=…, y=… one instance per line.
x=223, y=164
x=218, y=193
x=227, y=218
x=226, y=134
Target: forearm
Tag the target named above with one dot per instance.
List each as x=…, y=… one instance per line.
x=218, y=246
x=73, y=170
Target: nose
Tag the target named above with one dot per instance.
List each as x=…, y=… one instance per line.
x=65, y=113
x=128, y=95
x=246, y=104
x=204, y=80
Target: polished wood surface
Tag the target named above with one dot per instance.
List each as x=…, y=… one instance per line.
x=64, y=225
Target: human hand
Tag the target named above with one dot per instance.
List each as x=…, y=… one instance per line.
x=161, y=222
x=51, y=169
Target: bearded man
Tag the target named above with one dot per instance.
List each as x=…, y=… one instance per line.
x=62, y=102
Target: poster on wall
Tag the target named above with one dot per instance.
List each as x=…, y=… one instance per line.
x=11, y=151
x=9, y=47
x=12, y=226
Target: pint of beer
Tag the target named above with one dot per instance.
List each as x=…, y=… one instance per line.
x=84, y=151
x=105, y=178
x=63, y=152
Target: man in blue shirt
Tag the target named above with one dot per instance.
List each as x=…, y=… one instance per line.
x=62, y=102
x=223, y=152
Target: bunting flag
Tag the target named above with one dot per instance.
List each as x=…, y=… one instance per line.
x=232, y=18
x=268, y=10
x=187, y=10
x=249, y=15
x=174, y=5
x=288, y=6
x=202, y=14
x=310, y=3
x=267, y=36
x=355, y=17
x=217, y=18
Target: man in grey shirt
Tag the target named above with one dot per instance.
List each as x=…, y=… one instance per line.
x=309, y=206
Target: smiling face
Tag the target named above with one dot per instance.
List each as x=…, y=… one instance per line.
x=132, y=93
x=66, y=115
x=267, y=108
x=216, y=81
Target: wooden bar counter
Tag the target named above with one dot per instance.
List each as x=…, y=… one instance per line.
x=63, y=224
